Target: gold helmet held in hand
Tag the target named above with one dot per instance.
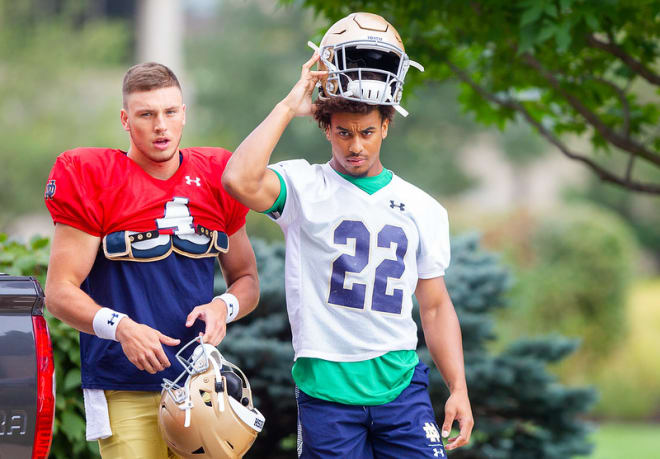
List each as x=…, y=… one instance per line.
x=211, y=415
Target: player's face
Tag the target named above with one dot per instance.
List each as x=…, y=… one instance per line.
x=356, y=140
x=154, y=120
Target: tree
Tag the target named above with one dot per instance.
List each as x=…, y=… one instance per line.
x=564, y=66
x=55, y=58
x=520, y=409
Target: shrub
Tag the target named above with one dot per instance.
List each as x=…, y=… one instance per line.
x=629, y=379
x=579, y=277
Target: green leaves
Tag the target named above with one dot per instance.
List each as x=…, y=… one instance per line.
x=24, y=259
x=72, y=379
x=532, y=14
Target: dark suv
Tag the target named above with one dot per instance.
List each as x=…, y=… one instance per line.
x=27, y=373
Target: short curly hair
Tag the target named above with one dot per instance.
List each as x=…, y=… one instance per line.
x=326, y=107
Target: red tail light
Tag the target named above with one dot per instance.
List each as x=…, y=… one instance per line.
x=45, y=389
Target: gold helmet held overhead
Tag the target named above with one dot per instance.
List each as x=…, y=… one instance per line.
x=365, y=59
x=211, y=415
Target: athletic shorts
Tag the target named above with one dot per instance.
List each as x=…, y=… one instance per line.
x=134, y=424
x=403, y=428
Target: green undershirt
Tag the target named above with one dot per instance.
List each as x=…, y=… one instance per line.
x=369, y=382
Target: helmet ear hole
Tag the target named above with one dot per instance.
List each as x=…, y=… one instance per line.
x=234, y=384
x=206, y=397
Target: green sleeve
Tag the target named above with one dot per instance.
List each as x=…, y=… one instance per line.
x=278, y=205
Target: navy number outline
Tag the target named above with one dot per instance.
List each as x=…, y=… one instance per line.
x=354, y=297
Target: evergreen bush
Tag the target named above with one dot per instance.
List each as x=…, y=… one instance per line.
x=578, y=282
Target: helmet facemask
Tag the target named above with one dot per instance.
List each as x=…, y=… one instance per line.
x=365, y=61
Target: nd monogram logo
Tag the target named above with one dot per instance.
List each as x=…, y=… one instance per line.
x=50, y=189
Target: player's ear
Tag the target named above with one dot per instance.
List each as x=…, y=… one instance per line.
x=384, y=127
x=183, y=108
x=123, y=116
x=327, y=133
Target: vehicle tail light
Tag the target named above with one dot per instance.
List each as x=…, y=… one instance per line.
x=45, y=389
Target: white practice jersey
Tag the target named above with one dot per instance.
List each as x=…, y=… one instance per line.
x=353, y=261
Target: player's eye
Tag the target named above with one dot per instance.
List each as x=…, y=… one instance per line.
x=145, y=115
x=171, y=112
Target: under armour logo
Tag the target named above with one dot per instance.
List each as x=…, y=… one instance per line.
x=190, y=181
x=401, y=206
x=112, y=319
x=438, y=452
x=432, y=432
x=50, y=189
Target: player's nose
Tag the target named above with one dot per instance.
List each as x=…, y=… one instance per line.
x=355, y=146
x=159, y=123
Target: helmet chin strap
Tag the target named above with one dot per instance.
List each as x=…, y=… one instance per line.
x=218, y=377
x=200, y=351
x=367, y=86
x=402, y=111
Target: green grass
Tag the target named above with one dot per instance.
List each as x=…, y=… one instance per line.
x=622, y=441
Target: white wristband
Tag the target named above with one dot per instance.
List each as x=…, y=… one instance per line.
x=232, y=305
x=105, y=323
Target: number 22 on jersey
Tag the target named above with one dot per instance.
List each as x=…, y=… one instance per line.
x=355, y=263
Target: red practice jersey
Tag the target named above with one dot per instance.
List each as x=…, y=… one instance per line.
x=141, y=218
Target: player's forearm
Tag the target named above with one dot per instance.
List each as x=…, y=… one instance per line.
x=71, y=305
x=245, y=173
x=443, y=339
x=246, y=290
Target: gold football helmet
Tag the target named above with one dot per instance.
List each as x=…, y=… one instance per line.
x=211, y=415
x=365, y=60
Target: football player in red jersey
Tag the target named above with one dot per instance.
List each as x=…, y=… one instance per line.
x=132, y=260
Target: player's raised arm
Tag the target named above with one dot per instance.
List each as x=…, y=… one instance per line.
x=246, y=176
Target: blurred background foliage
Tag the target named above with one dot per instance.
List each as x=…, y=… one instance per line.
x=584, y=256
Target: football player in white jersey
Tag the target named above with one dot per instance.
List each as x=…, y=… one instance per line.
x=360, y=241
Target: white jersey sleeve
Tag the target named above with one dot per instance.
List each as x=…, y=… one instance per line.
x=298, y=176
x=433, y=253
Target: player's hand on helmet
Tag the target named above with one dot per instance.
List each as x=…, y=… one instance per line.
x=458, y=409
x=214, y=314
x=143, y=345
x=299, y=99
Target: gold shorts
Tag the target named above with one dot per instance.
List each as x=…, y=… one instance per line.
x=134, y=423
